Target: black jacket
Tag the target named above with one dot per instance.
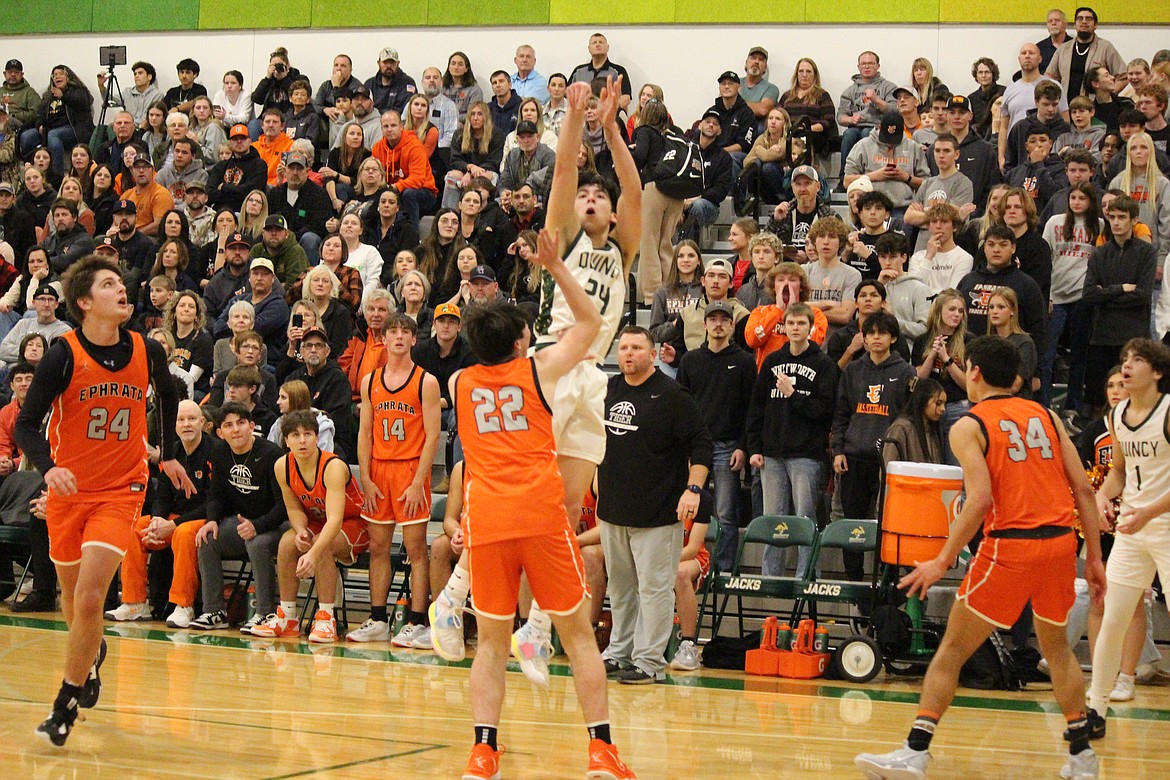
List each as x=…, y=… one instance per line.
x=246, y=487
x=490, y=161
x=138, y=251
x=977, y=286
x=272, y=92
x=66, y=248
x=230, y=181
x=737, y=124
x=978, y=161
x=1017, y=151
x=797, y=426
x=18, y=230
x=504, y=117
x=1119, y=316
x=721, y=384
x=718, y=171
x=310, y=213
x=170, y=501
x=427, y=355
x=330, y=392
x=869, y=397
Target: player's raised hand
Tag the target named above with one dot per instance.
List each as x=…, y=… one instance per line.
x=178, y=476
x=577, y=94
x=607, y=104
x=61, y=481
x=548, y=247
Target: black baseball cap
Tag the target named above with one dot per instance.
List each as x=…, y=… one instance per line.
x=360, y=89
x=236, y=239
x=728, y=75
x=47, y=289
x=483, y=272
x=106, y=242
x=126, y=207
x=892, y=130
x=14, y=65
x=960, y=102
x=526, y=127
x=711, y=113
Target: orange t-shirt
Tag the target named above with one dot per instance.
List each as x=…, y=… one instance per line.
x=153, y=203
x=1029, y=488
x=270, y=152
x=312, y=497
x=399, y=429
x=512, y=487
x=97, y=427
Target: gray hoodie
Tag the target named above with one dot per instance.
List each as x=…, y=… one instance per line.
x=908, y=297
x=871, y=155
x=852, y=99
x=176, y=181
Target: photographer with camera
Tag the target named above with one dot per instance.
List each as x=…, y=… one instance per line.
x=274, y=89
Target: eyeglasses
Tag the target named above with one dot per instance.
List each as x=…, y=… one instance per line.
x=314, y=345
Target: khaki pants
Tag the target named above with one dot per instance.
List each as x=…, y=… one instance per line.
x=660, y=218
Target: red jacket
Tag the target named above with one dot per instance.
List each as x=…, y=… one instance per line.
x=407, y=166
x=7, y=422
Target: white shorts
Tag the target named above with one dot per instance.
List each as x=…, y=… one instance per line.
x=1135, y=558
x=578, y=406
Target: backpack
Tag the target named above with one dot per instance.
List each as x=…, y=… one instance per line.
x=725, y=652
x=991, y=668
x=681, y=172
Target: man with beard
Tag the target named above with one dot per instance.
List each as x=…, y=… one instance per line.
x=759, y=93
x=444, y=114
x=272, y=312
x=278, y=244
x=151, y=200
x=230, y=280
x=1072, y=59
x=391, y=88
x=232, y=179
x=364, y=115
x=135, y=251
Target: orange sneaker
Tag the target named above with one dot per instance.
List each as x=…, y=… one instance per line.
x=324, y=628
x=484, y=763
x=276, y=626
x=604, y=763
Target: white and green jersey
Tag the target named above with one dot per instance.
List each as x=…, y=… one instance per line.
x=601, y=273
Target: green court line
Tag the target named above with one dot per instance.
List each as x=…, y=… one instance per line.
x=776, y=685
x=362, y=762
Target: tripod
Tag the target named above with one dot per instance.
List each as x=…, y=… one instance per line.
x=112, y=85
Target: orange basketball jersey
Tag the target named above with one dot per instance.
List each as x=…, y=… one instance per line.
x=312, y=497
x=399, y=430
x=512, y=487
x=1029, y=488
x=97, y=427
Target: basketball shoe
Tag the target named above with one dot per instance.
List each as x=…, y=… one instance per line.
x=447, y=628
x=901, y=764
x=484, y=763
x=277, y=625
x=604, y=763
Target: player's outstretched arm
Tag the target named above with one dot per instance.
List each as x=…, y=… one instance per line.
x=561, y=213
x=967, y=444
x=629, y=208
x=555, y=361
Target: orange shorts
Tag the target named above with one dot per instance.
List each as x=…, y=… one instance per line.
x=553, y=563
x=105, y=523
x=355, y=534
x=393, y=477
x=1007, y=573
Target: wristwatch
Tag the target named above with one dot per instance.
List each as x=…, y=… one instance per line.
x=694, y=488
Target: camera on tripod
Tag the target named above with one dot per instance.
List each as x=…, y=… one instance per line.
x=109, y=57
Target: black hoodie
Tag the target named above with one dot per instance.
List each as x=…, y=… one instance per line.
x=869, y=397
x=797, y=426
x=977, y=286
x=721, y=383
x=232, y=179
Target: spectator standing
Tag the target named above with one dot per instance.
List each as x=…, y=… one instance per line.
x=1071, y=60
x=1057, y=24
x=600, y=67
x=657, y=460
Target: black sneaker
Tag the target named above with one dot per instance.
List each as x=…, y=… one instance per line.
x=36, y=602
x=614, y=668
x=55, y=728
x=92, y=688
x=1096, y=727
x=636, y=676
x=210, y=621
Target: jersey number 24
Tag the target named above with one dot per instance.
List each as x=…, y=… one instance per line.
x=101, y=425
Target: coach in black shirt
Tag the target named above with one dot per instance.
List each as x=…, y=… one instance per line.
x=245, y=516
x=658, y=454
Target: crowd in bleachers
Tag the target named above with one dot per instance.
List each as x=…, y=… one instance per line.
x=1035, y=207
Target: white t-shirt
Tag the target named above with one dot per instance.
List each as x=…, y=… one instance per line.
x=945, y=270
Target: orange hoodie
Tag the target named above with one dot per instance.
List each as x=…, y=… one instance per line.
x=270, y=153
x=407, y=166
x=769, y=320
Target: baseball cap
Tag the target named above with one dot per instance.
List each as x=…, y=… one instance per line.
x=126, y=207
x=712, y=114
x=719, y=307
x=360, y=90
x=526, y=127
x=314, y=332
x=276, y=221
x=447, y=310
x=806, y=170
x=14, y=65
x=899, y=90
x=238, y=130
x=860, y=184
x=236, y=239
x=720, y=265
x=760, y=50
x=106, y=242
x=7, y=187
x=728, y=75
x=296, y=158
x=960, y=102
x=388, y=54
x=892, y=129
x=143, y=159
x=47, y=289
x=198, y=182
x=483, y=272
x=262, y=262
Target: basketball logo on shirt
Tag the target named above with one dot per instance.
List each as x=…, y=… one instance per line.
x=620, y=419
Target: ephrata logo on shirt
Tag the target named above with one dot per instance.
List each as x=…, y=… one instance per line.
x=874, y=394
x=620, y=418
x=875, y=406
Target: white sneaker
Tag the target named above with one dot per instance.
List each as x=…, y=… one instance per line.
x=405, y=637
x=900, y=764
x=532, y=648
x=181, y=617
x=1145, y=673
x=370, y=631
x=1122, y=689
x=128, y=612
x=686, y=658
x=422, y=639
x=1082, y=766
x=447, y=628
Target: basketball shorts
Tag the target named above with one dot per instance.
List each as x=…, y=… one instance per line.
x=553, y=563
x=578, y=406
x=356, y=537
x=1135, y=558
x=74, y=525
x=393, y=477
x=1007, y=573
